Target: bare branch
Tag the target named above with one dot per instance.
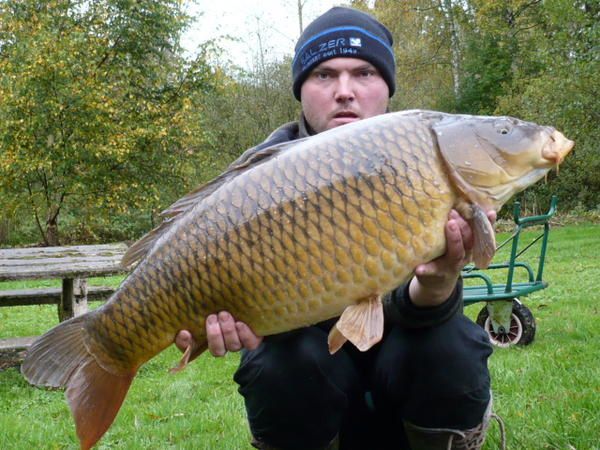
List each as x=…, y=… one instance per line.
x=517, y=31
x=36, y=215
x=108, y=52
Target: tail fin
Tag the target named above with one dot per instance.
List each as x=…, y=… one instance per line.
x=60, y=359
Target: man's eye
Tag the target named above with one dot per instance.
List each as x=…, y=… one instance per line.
x=322, y=76
x=367, y=73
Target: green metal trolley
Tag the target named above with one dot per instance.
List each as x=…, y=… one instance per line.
x=505, y=318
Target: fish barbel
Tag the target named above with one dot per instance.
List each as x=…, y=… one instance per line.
x=295, y=234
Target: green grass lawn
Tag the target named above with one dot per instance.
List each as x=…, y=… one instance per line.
x=548, y=393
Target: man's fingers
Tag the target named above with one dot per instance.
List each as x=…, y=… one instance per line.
x=230, y=334
x=466, y=231
x=427, y=269
x=183, y=340
x=455, y=245
x=225, y=334
x=454, y=250
x=214, y=336
x=247, y=337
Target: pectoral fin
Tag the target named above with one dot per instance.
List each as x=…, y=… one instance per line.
x=484, y=237
x=361, y=324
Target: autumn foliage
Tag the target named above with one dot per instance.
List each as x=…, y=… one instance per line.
x=104, y=121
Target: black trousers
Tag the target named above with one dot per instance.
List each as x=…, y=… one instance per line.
x=298, y=396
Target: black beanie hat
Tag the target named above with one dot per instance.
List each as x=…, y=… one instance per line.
x=344, y=32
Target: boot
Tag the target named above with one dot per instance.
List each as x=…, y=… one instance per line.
x=421, y=438
x=256, y=443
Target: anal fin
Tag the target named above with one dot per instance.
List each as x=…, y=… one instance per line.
x=192, y=351
x=95, y=397
x=361, y=324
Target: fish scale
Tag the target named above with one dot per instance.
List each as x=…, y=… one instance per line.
x=291, y=236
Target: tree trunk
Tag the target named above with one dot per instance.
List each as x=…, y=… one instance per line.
x=52, y=237
x=452, y=23
x=300, y=6
x=4, y=230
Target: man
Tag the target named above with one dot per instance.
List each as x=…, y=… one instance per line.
x=426, y=384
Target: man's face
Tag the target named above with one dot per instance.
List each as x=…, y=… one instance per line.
x=343, y=90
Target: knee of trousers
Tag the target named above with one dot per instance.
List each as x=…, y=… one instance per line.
x=443, y=373
x=294, y=390
x=451, y=357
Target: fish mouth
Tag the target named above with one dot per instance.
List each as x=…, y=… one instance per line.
x=557, y=148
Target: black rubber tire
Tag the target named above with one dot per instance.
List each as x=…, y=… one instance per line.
x=522, y=326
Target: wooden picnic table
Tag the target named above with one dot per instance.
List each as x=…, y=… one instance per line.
x=80, y=261
x=72, y=264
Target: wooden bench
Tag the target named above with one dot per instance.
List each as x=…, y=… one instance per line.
x=12, y=350
x=49, y=296
x=73, y=265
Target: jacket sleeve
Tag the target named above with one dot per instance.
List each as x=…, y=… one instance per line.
x=398, y=309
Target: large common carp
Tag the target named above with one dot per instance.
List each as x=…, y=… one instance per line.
x=293, y=235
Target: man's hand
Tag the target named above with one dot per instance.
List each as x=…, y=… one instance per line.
x=223, y=334
x=434, y=281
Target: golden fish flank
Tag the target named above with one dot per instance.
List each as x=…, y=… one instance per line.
x=296, y=234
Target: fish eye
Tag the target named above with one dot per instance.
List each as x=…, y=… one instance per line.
x=503, y=127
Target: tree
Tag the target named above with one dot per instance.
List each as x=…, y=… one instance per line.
x=564, y=92
x=250, y=105
x=94, y=111
x=486, y=73
x=532, y=59
x=497, y=46
x=427, y=49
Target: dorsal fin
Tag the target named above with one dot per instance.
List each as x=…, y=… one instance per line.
x=248, y=160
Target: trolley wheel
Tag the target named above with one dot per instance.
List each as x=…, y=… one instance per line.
x=522, y=326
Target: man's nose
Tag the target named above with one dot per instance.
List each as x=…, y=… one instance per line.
x=345, y=89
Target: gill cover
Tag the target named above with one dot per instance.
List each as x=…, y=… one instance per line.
x=491, y=158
